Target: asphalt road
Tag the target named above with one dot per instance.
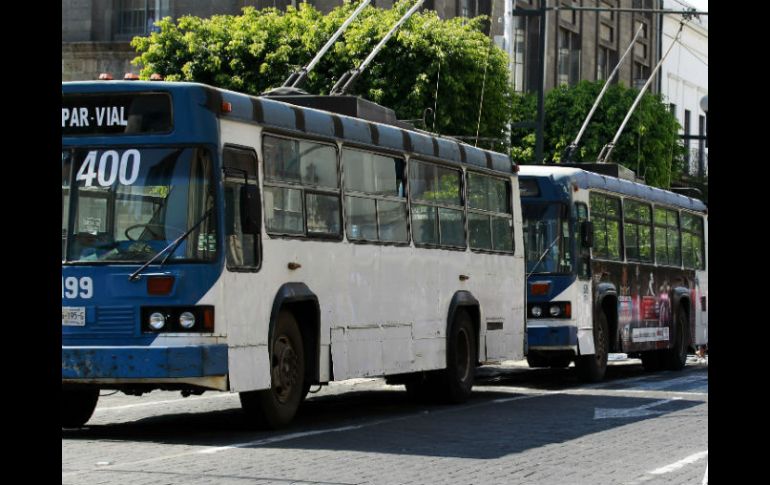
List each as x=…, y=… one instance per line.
x=522, y=426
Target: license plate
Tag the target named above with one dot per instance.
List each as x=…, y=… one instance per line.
x=74, y=316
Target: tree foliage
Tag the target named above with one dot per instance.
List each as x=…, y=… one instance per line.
x=428, y=63
x=649, y=144
x=449, y=65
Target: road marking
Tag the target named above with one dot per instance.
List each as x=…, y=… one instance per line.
x=691, y=381
x=637, y=412
x=292, y=436
x=706, y=476
x=682, y=463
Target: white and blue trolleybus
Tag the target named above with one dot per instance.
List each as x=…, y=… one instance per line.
x=217, y=241
x=613, y=266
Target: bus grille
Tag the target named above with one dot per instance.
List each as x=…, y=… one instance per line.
x=113, y=321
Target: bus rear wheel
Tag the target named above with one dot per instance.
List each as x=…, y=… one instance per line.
x=591, y=368
x=77, y=406
x=461, y=359
x=275, y=407
x=676, y=357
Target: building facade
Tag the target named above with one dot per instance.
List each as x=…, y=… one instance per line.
x=684, y=82
x=579, y=44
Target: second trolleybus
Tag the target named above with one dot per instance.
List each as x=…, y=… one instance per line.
x=613, y=266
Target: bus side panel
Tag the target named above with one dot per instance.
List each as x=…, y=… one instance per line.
x=701, y=336
x=645, y=306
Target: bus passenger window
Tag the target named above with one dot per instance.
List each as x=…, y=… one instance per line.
x=437, y=208
x=375, y=202
x=490, y=218
x=302, y=195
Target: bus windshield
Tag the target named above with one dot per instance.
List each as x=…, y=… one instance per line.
x=547, y=238
x=126, y=204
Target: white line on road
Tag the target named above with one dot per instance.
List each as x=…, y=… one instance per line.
x=639, y=411
x=292, y=436
x=706, y=476
x=681, y=463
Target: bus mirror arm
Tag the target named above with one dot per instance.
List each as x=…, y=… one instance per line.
x=587, y=234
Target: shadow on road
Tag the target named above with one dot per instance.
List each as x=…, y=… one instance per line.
x=491, y=424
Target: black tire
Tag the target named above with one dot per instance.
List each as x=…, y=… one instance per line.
x=424, y=387
x=275, y=407
x=559, y=362
x=537, y=361
x=77, y=406
x=675, y=358
x=591, y=368
x=461, y=359
x=652, y=360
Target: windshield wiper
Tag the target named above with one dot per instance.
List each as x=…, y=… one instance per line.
x=135, y=275
x=547, y=250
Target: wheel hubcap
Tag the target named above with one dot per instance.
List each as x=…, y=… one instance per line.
x=284, y=369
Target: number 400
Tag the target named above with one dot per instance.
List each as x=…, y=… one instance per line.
x=111, y=167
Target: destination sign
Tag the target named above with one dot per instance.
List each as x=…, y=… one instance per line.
x=116, y=114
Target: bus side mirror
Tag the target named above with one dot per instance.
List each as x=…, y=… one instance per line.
x=587, y=234
x=250, y=210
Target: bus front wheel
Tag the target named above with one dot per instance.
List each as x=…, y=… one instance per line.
x=77, y=406
x=591, y=368
x=676, y=357
x=275, y=407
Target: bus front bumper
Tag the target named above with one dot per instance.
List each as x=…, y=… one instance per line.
x=552, y=337
x=112, y=364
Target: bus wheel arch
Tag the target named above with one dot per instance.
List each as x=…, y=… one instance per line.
x=592, y=367
x=293, y=339
x=465, y=301
x=302, y=303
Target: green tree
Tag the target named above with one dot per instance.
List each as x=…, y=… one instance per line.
x=649, y=144
x=428, y=63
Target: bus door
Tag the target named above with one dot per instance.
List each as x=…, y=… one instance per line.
x=584, y=296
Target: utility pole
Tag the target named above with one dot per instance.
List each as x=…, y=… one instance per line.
x=539, y=142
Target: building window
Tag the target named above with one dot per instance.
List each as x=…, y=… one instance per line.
x=687, y=140
x=606, y=60
x=640, y=75
x=138, y=17
x=569, y=15
x=569, y=57
x=518, y=53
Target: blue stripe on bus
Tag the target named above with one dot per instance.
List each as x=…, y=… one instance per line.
x=551, y=336
x=143, y=362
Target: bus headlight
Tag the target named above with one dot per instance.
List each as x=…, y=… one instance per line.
x=187, y=320
x=554, y=310
x=536, y=311
x=157, y=321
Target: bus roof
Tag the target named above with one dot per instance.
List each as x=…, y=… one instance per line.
x=590, y=180
x=293, y=118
